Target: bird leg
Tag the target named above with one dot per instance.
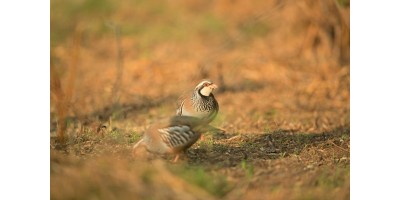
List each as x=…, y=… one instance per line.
x=136, y=146
x=201, y=137
x=176, y=158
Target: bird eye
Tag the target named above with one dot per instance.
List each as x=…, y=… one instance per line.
x=206, y=84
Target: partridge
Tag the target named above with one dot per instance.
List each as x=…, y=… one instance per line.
x=201, y=103
x=172, y=136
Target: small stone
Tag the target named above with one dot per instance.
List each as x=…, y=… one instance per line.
x=310, y=166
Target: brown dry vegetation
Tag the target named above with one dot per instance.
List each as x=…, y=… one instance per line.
x=283, y=73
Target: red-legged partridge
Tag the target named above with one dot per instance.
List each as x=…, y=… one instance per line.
x=172, y=136
x=201, y=103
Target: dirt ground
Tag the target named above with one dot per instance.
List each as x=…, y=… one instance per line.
x=283, y=73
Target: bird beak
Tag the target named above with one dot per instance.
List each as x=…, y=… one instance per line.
x=213, y=86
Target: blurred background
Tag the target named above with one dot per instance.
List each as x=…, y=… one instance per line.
x=282, y=67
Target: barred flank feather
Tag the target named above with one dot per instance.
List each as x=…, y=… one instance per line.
x=177, y=136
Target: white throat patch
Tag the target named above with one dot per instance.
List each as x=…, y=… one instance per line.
x=206, y=91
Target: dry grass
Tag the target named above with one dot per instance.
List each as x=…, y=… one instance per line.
x=283, y=72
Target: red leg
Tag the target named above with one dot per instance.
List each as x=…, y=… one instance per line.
x=176, y=158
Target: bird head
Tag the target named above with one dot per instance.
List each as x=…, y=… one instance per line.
x=206, y=87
